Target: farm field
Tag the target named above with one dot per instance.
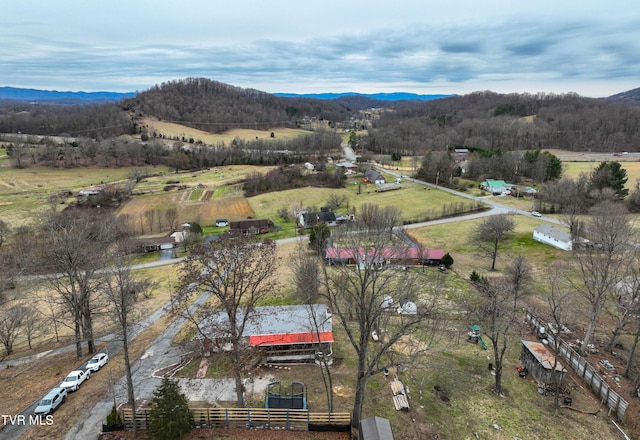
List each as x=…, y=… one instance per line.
x=171, y=130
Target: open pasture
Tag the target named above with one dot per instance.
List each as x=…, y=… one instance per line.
x=171, y=130
x=415, y=202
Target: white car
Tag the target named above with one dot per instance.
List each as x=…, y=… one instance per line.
x=536, y=214
x=51, y=401
x=74, y=379
x=97, y=362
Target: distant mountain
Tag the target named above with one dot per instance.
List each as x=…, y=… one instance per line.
x=629, y=97
x=56, y=97
x=395, y=96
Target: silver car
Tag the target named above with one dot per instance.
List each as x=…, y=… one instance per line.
x=51, y=401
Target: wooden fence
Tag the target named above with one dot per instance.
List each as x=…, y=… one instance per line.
x=585, y=370
x=291, y=419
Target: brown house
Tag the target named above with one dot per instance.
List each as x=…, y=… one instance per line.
x=250, y=227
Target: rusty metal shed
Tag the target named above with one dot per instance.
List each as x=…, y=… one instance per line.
x=539, y=360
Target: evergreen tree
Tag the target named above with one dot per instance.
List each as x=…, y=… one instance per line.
x=169, y=418
x=610, y=175
x=318, y=237
x=447, y=260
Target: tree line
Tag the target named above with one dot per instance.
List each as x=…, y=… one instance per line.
x=511, y=122
x=25, y=151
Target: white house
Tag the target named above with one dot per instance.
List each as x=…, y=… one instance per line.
x=552, y=236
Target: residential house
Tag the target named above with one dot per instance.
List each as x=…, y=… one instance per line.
x=537, y=358
x=495, y=187
x=295, y=333
x=310, y=219
x=545, y=233
x=388, y=256
x=349, y=167
x=151, y=244
x=251, y=227
x=373, y=176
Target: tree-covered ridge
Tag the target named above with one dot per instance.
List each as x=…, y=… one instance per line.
x=216, y=107
x=510, y=122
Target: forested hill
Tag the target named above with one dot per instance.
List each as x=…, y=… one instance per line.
x=493, y=121
x=216, y=107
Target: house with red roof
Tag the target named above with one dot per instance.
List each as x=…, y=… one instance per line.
x=387, y=256
x=282, y=334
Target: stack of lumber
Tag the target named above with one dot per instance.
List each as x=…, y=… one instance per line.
x=399, y=395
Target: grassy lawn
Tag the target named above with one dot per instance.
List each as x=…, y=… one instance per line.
x=414, y=201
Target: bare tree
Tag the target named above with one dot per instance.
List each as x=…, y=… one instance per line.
x=336, y=200
x=54, y=313
x=171, y=215
x=489, y=236
x=11, y=325
x=122, y=288
x=625, y=307
x=150, y=218
x=305, y=266
x=306, y=271
x=5, y=230
x=238, y=273
x=381, y=220
x=601, y=264
x=74, y=249
x=560, y=301
x=498, y=318
x=519, y=274
x=32, y=324
x=364, y=297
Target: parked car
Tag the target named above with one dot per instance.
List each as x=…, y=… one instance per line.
x=222, y=222
x=97, y=362
x=51, y=401
x=536, y=214
x=74, y=379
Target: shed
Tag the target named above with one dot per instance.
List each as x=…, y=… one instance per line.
x=375, y=428
x=537, y=358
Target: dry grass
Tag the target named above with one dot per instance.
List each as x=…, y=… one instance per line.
x=89, y=393
x=171, y=130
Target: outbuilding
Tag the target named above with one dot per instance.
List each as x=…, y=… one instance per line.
x=375, y=428
x=537, y=358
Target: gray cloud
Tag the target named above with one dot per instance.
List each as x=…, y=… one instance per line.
x=510, y=52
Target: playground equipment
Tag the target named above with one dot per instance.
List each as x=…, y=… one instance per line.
x=474, y=336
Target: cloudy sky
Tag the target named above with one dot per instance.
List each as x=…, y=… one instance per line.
x=590, y=47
